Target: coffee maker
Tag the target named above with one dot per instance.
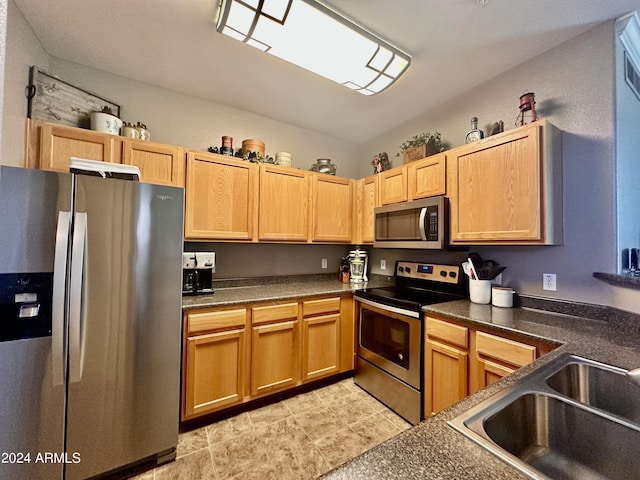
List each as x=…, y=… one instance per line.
x=358, y=264
x=197, y=272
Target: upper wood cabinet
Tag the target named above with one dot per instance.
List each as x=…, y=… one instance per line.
x=57, y=143
x=49, y=147
x=367, y=199
x=283, y=206
x=331, y=208
x=507, y=189
x=393, y=185
x=221, y=197
x=158, y=163
x=427, y=177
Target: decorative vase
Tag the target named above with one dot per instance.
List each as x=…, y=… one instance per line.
x=324, y=165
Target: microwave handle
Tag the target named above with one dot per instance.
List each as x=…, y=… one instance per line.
x=421, y=224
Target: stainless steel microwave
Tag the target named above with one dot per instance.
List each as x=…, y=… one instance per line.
x=418, y=224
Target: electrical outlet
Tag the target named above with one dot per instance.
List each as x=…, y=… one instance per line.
x=383, y=264
x=324, y=263
x=549, y=281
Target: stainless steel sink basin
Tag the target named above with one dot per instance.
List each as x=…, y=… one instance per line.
x=602, y=387
x=561, y=422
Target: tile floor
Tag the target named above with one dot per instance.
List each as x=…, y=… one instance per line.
x=298, y=438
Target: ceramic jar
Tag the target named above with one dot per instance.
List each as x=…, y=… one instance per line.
x=252, y=145
x=130, y=131
x=283, y=158
x=105, y=122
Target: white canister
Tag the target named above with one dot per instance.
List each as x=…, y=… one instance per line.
x=283, y=158
x=502, y=297
x=130, y=131
x=480, y=291
x=105, y=123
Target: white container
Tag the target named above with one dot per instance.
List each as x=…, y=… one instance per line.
x=105, y=123
x=480, y=291
x=502, y=297
x=283, y=158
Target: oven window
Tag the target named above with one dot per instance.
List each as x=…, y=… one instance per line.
x=385, y=336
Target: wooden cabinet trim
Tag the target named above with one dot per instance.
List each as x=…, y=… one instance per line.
x=274, y=313
x=52, y=134
x=503, y=349
x=393, y=185
x=320, y=306
x=427, y=177
x=215, y=320
x=174, y=172
x=449, y=332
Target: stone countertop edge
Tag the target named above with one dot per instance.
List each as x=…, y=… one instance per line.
x=434, y=450
x=256, y=290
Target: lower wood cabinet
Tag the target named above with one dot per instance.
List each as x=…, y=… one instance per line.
x=320, y=337
x=214, y=360
x=460, y=360
x=446, y=365
x=498, y=357
x=274, y=348
x=234, y=355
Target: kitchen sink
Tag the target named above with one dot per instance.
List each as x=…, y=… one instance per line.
x=605, y=388
x=572, y=418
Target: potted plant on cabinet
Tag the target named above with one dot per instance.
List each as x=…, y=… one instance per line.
x=421, y=146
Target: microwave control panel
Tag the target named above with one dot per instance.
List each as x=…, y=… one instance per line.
x=431, y=223
x=429, y=271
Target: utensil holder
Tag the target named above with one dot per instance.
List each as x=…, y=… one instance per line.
x=480, y=291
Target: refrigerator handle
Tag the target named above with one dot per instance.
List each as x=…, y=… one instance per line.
x=58, y=302
x=76, y=295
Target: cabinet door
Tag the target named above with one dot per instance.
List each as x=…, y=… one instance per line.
x=214, y=371
x=426, y=178
x=490, y=372
x=161, y=164
x=284, y=198
x=446, y=379
x=58, y=143
x=331, y=208
x=274, y=357
x=503, y=189
x=320, y=346
x=393, y=186
x=221, y=198
x=366, y=202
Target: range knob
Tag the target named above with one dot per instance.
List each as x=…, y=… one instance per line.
x=408, y=269
x=443, y=273
x=401, y=269
x=453, y=274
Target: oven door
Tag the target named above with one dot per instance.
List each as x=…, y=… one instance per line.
x=390, y=339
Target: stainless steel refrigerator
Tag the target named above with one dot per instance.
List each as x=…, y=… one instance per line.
x=90, y=322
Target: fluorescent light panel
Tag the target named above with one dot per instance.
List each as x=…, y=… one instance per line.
x=310, y=35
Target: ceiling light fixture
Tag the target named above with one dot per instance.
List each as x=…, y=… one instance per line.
x=315, y=37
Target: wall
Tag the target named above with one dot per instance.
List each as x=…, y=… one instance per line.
x=3, y=42
x=574, y=87
x=23, y=50
x=179, y=119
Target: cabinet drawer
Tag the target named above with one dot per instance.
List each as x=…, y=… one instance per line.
x=509, y=351
x=272, y=313
x=449, y=332
x=222, y=319
x=316, y=307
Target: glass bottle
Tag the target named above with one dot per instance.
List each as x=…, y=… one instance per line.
x=475, y=134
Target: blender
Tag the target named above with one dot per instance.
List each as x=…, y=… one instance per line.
x=358, y=263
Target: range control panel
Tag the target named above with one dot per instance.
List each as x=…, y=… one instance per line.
x=428, y=271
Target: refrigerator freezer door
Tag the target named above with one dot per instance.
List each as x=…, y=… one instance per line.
x=31, y=407
x=124, y=389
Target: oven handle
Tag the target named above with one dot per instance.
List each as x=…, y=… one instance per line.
x=389, y=308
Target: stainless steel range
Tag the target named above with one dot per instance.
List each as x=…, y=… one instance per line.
x=390, y=333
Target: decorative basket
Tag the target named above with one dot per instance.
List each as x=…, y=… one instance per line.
x=414, y=153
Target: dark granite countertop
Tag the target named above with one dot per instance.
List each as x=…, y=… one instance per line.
x=434, y=450
x=253, y=290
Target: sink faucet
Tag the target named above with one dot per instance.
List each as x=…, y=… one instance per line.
x=633, y=376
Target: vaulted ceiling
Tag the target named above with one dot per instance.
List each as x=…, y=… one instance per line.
x=455, y=45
